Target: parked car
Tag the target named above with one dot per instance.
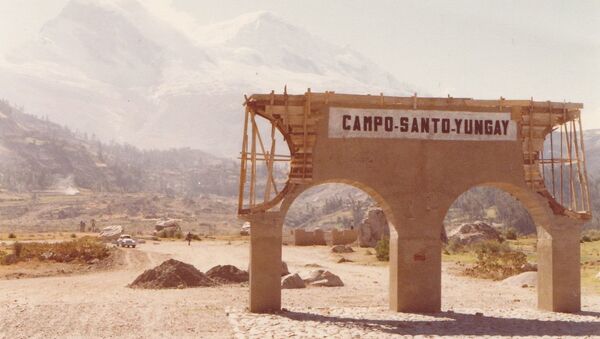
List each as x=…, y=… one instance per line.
x=125, y=240
x=245, y=230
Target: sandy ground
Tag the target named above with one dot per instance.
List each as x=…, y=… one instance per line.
x=100, y=305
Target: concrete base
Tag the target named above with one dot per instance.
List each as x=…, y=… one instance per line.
x=559, y=276
x=265, y=263
x=415, y=274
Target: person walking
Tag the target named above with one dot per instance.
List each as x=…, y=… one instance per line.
x=188, y=237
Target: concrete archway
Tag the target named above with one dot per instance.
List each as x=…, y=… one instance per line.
x=415, y=156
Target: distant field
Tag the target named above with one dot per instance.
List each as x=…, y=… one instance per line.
x=137, y=212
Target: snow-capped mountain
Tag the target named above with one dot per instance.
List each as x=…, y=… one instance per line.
x=115, y=69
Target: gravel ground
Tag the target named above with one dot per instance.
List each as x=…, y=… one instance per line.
x=100, y=305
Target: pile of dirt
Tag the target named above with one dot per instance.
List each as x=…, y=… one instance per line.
x=227, y=274
x=172, y=274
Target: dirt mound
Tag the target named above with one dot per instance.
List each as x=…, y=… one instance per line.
x=525, y=279
x=227, y=274
x=172, y=274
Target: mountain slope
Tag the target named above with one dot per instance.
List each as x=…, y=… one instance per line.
x=115, y=69
x=37, y=154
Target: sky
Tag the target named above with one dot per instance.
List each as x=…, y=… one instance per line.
x=548, y=50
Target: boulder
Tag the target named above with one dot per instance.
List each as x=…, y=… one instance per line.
x=111, y=232
x=284, y=268
x=292, y=281
x=342, y=249
x=227, y=274
x=469, y=233
x=328, y=279
x=313, y=276
x=323, y=278
x=373, y=228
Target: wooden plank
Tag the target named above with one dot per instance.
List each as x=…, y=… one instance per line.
x=244, y=162
x=375, y=100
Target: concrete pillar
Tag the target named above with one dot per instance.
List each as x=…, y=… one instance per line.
x=416, y=270
x=265, y=262
x=559, y=275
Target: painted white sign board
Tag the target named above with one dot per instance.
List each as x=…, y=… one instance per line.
x=421, y=124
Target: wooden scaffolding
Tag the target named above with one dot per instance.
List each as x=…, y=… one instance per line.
x=550, y=132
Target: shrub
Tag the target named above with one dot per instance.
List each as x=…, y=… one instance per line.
x=586, y=238
x=510, y=234
x=17, y=249
x=12, y=236
x=496, y=261
x=382, y=249
x=73, y=235
x=454, y=246
x=83, y=249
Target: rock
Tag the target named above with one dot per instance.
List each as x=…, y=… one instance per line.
x=525, y=278
x=111, y=232
x=93, y=261
x=343, y=260
x=597, y=276
x=470, y=233
x=227, y=274
x=342, y=249
x=313, y=276
x=373, y=228
x=312, y=265
x=528, y=267
x=172, y=274
x=284, y=268
x=292, y=281
x=328, y=279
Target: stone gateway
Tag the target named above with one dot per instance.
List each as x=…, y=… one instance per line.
x=415, y=156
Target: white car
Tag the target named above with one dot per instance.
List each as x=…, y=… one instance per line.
x=245, y=230
x=126, y=240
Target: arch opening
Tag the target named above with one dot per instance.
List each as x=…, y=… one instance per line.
x=334, y=208
x=491, y=234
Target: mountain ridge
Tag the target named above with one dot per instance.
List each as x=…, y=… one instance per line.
x=115, y=69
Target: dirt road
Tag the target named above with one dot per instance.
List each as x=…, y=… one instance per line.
x=100, y=305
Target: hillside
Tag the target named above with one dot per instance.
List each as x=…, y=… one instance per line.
x=36, y=154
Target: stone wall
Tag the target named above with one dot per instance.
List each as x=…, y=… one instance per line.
x=319, y=237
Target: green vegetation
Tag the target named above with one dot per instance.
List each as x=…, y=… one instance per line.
x=382, y=249
x=496, y=261
x=82, y=249
x=510, y=234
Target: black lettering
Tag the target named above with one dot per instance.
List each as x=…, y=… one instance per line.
x=345, y=119
x=378, y=122
x=497, y=128
x=457, y=122
x=445, y=126
x=389, y=124
x=368, y=123
x=435, y=121
x=469, y=126
x=489, y=127
x=505, y=126
x=478, y=126
x=415, y=126
x=403, y=124
x=424, y=125
x=356, y=126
